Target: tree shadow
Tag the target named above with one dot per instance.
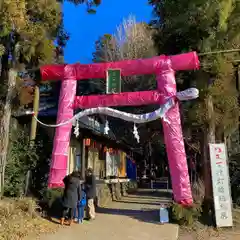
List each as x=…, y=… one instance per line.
x=149, y=193
x=162, y=201
x=53, y=220
x=148, y=197
x=143, y=215
x=56, y=208
x=208, y=214
x=53, y=212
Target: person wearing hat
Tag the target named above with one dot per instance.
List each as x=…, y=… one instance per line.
x=90, y=189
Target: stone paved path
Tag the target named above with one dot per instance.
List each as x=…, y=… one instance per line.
x=134, y=217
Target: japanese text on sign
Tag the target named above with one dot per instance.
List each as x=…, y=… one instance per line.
x=113, y=81
x=220, y=183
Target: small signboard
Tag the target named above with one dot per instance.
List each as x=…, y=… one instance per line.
x=220, y=183
x=113, y=81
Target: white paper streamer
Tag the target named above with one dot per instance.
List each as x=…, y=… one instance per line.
x=106, y=128
x=76, y=129
x=135, y=133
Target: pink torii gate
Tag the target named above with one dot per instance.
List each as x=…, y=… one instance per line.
x=164, y=67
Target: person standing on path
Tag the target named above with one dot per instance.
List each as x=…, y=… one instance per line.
x=71, y=196
x=90, y=188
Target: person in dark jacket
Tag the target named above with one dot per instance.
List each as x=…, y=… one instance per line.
x=71, y=196
x=90, y=189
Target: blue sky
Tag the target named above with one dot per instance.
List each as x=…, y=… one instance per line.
x=86, y=28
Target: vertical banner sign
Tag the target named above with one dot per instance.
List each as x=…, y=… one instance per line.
x=220, y=183
x=113, y=81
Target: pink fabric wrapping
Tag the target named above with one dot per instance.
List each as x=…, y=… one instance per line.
x=164, y=67
x=121, y=99
x=59, y=163
x=173, y=138
x=186, y=61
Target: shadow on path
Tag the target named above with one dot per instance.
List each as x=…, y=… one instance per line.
x=150, y=193
x=143, y=205
x=143, y=215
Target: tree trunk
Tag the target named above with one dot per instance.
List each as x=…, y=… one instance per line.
x=237, y=77
x=220, y=137
x=5, y=124
x=208, y=137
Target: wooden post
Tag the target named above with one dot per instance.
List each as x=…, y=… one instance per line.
x=35, y=110
x=32, y=134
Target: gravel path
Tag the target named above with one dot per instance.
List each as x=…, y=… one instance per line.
x=134, y=217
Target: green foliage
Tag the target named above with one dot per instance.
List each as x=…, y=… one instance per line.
x=41, y=171
x=185, y=215
x=234, y=171
x=2, y=49
x=28, y=25
x=203, y=26
x=22, y=157
x=51, y=201
x=51, y=195
x=225, y=101
x=30, y=29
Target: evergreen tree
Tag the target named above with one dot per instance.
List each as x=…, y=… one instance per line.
x=28, y=33
x=203, y=26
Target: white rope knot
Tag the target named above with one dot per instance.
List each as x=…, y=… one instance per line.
x=188, y=94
